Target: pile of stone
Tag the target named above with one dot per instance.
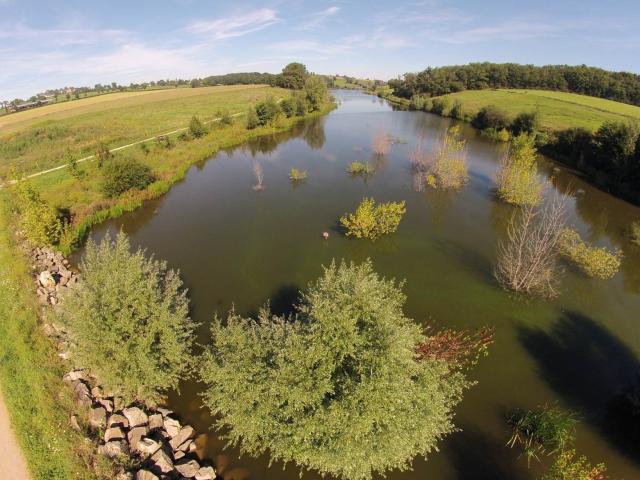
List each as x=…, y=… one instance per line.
x=154, y=439
x=53, y=275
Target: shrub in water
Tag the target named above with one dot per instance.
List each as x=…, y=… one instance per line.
x=449, y=167
x=569, y=466
x=197, y=128
x=296, y=174
x=371, y=220
x=598, y=262
x=635, y=232
x=381, y=143
x=337, y=387
x=129, y=321
x=124, y=174
x=517, y=180
x=457, y=110
x=359, y=168
x=546, y=431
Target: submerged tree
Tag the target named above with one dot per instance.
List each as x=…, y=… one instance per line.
x=129, y=321
x=339, y=387
x=527, y=259
x=381, y=142
x=448, y=169
x=517, y=180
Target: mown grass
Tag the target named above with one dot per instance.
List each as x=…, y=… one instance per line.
x=39, y=403
x=558, y=110
x=31, y=144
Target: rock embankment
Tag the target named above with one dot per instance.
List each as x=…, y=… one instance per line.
x=152, y=441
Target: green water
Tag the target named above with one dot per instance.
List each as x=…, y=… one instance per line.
x=237, y=246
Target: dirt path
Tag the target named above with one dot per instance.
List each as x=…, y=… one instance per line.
x=12, y=462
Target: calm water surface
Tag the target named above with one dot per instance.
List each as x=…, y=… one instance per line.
x=237, y=246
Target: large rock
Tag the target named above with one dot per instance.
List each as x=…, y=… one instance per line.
x=136, y=416
x=146, y=446
x=117, y=420
x=46, y=279
x=161, y=462
x=113, y=433
x=187, y=467
x=185, y=434
x=155, y=421
x=81, y=394
x=172, y=426
x=97, y=417
x=106, y=403
x=114, y=448
x=205, y=473
x=73, y=375
x=145, y=475
x=135, y=434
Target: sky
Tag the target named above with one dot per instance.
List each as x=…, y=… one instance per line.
x=51, y=44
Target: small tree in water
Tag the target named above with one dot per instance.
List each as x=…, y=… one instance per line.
x=449, y=166
x=517, y=180
x=338, y=387
x=129, y=321
x=381, y=143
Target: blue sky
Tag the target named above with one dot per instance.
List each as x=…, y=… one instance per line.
x=82, y=42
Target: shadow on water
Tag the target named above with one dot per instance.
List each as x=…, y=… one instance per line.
x=590, y=368
x=284, y=300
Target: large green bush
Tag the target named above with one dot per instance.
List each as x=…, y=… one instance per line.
x=316, y=92
x=598, y=262
x=517, y=180
x=569, y=466
x=267, y=111
x=129, y=321
x=491, y=117
x=197, y=128
x=124, y=174
x=338, y=387
x=371, y=220
x=40, y=221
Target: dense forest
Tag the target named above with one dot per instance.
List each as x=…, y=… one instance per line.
x=596, y=82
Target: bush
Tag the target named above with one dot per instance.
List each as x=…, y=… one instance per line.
x=491, y=117
x=302, y=106
x=616, y=143
x=316, y=92
x=226, y=118
x=129, y=321
x=297, y=175
x=197, y=128
x=359, y=168
x=288, y=106
x=40, y=222
x=125, y=174
x=517, y=180
x=317, y=389
x=102, y=154
x=546, y=431
x=457, y=110
x=267, y=112
x=252, y=119
x=371, y=220
x=596, y=262
x=569, y=466
x=449, y=167
x=526, y=122
x=72, y=164
x=439, y=105
x=635, y=232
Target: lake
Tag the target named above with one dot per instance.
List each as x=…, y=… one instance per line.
x=238, y=246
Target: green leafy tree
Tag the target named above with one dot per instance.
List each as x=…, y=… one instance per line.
x=129, y=320
x=39, y=220
x=316, y=92
x=371, y=220
x=252, y=119
x=267, y=111
x=288, y=106
x=197, y=128
x=293, y=76
x=302, y=107
x=517, y=180
x=338, y=387
x=569, y=466
x=124, y=174
x=526, y=122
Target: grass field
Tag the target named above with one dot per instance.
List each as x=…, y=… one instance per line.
x=37, y=139
x=558, y=110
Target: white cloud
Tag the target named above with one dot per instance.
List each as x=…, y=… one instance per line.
x=236, y=26
x=318, y=18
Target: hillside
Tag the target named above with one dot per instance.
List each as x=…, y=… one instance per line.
x=558, y=110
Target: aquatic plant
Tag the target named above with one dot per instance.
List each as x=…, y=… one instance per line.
x=517, y=179
x=598, y=262
x=297, y=175
x=315, y=389
x=371, y=220
x=448, y=169
x=546, y=431
x=359, y=168
x=569, y=466
x=527, y=258
x=381, y=143
x=635, y=232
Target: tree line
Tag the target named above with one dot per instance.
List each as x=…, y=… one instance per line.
x=596, y=82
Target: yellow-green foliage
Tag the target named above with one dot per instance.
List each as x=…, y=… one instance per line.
x=503, y=135
x=297, y=175
x=39, y=220
x=371, y=220
x=598, y=262
x=569, y=466
x=359, y=168
x=449, y=168
x=517, y=180
x=635, y=232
